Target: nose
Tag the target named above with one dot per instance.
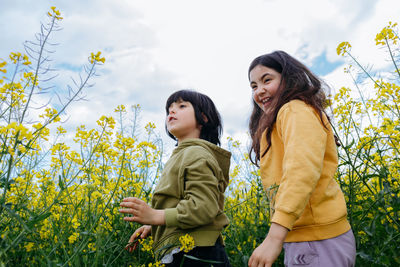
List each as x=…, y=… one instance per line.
x=260, y=91
x=171, y=110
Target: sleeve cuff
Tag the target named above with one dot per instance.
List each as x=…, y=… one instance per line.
x=284, y=219
x=171, y=217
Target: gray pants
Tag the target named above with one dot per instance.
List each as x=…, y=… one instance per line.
x=339, y=251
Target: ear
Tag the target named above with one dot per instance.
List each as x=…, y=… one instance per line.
x=204, y=117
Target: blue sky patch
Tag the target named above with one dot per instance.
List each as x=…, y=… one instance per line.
x=322, y=66
x=66, y=66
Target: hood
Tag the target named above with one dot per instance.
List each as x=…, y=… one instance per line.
x=222, y=156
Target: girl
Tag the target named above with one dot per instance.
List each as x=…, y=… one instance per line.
x=294, y=144
x=189, y=198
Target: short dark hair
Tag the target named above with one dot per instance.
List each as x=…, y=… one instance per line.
x=211, y=129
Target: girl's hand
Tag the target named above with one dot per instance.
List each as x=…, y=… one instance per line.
x=266, y=253
x=142, y=213
x=141, y=233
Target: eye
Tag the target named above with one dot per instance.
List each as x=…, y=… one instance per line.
x=267, y=80
x=253, y=87
x=182, y=105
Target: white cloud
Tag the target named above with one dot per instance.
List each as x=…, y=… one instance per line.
x=153, y=48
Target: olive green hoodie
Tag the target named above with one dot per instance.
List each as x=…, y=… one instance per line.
x=191, y=191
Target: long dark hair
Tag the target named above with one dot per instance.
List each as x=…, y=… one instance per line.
x=211, y=129
x=297, y=82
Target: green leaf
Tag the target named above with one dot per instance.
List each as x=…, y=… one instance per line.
x=349, y=145
x=17, y=217
x=197, y=259
x=164, y=249
x=60, y=182
x=39, y=218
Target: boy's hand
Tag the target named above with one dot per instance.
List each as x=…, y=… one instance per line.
x=142, y=233
x=142, y=213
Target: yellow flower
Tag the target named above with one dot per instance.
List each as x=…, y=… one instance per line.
x=26, y=60
x=149, y=127
x=147, y=244
x=75, y=223
x=343, y=47
x=15, y=57
x=95, y=58
x=120, y=108
x=11, y=151
x=61, y=130
x=156, y=264
x=29, y=246
x=22, y=148
x=51, y=113
x=2, y=65
x=92, y=246
x=387, y=34
x=96, y=195
x=55, y=13
x=72, y=238
x=187, y=243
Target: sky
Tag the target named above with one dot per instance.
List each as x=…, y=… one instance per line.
x=156, y=47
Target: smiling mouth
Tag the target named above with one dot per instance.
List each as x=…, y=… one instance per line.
x=171, y=119
x=266, y=100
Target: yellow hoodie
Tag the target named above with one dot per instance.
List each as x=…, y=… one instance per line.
x=298, y=174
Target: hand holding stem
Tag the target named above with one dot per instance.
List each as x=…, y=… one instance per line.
x=142, y=232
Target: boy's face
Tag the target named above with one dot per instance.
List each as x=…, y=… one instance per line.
x=181, y=121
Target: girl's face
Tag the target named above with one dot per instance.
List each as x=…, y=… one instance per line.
x=265, y=83
x=181, y=121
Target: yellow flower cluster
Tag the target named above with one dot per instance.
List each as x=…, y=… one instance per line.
x=246, y=205
x=343, y=48
x=106, y=121
x=2, y=65
x=187, y=243
x=120, y=108
x=75, y=190
x=12, y=94
x=29, y=246
x=387, y=34
x=55, y=13
x=368, y=124
x=149, y=127
x=16, y=57
x=60, y=200
x=51, y=114
x=72, y=238
x=30, y=78
x=156, y=264
x=147, y=244
x=95, y=58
